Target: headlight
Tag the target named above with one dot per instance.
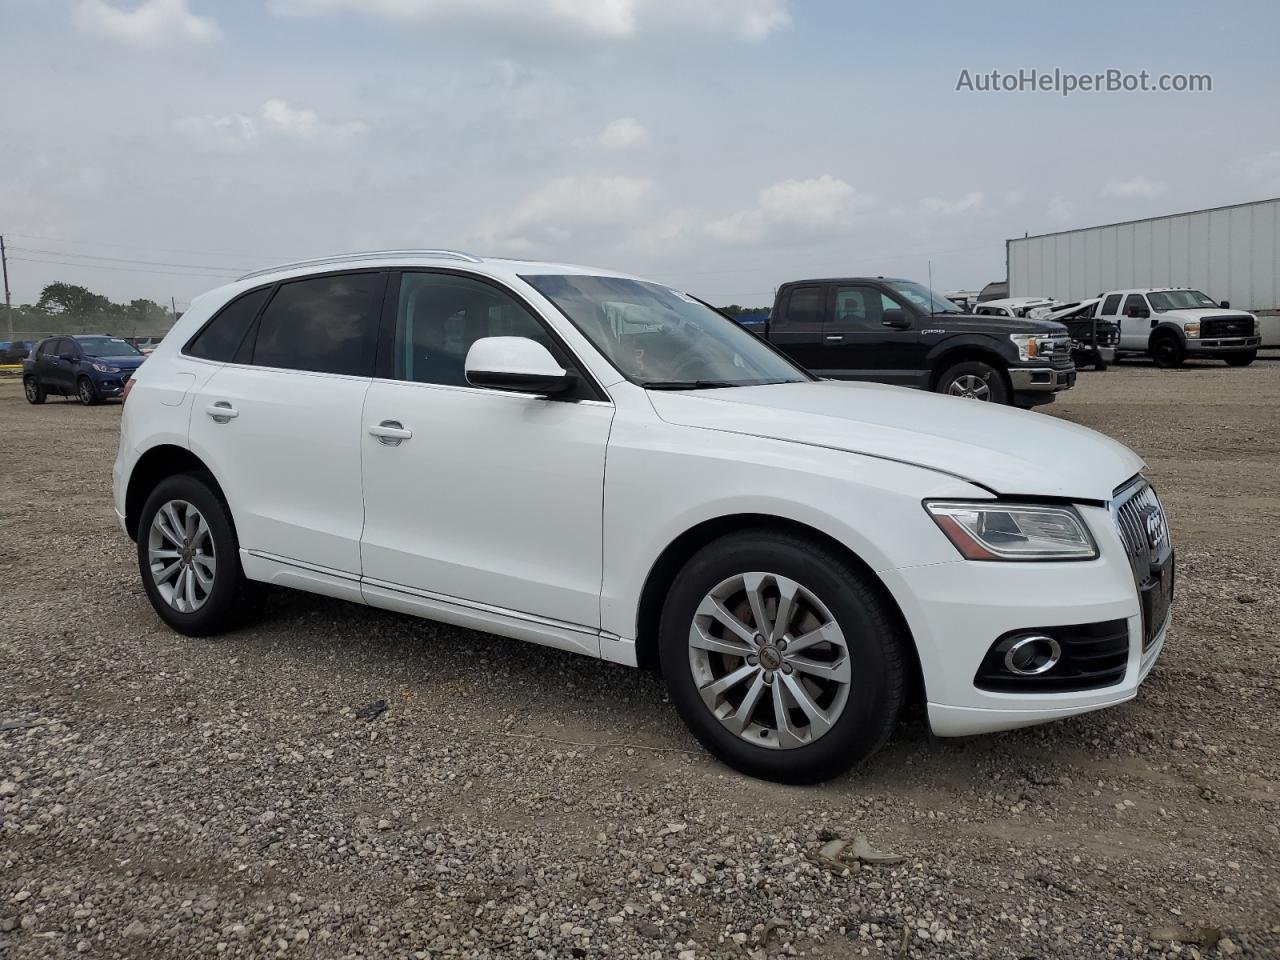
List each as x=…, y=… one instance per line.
x=1257, y=326
x=1192, y=329
x=1031, y=346
x=1008, y=531
x=104, y=368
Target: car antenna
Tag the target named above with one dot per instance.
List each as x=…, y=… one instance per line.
x=931, y=310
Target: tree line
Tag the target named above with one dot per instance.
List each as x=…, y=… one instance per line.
x=69, y=308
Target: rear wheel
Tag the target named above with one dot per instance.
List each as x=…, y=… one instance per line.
x=87, y=392
x=781, y=659
x=974, y=380
x=1167, y=350
x=1241, y=359
x=34, y=391
x=189, y=558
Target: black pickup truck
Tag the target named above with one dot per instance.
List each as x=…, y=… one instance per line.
x=900, y=332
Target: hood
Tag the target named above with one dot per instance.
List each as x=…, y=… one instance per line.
x=1204, y=314
x=1007, y=450
x=964, y=322
x=127, y=362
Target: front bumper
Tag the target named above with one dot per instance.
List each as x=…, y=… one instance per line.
x=1041, y=379
x=956, y=611
x=1222, y=345
x=111, y=384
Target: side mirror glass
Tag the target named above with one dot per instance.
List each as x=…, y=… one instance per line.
x=897, y=319
x=1225, y=304
x=517, y=364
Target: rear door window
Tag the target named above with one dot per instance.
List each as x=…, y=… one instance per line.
x=325, y=324
x=223, y=335
x=805, y=307
x=1110, y=306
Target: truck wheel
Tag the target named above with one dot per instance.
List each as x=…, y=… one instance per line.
x=1241, y=359
x=1098, y=362
x=974, y=380
x=1167, y=350
x=782, y=659
x=34, y=391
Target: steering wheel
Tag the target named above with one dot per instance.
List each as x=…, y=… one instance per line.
x=688, y=367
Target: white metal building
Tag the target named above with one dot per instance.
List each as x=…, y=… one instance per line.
x=1231, y=253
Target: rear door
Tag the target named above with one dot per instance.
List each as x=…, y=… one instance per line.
x=860, y=342
x=797, y=330
x=280, y=423
x=1109, y=309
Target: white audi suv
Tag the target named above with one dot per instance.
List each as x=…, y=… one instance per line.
x=607, y=465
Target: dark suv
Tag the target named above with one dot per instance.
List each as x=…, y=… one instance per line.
x=93, y=368
x=900, y=332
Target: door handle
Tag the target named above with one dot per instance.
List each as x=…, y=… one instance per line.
x=390, y=432
x=835, y=337
x=221, y=411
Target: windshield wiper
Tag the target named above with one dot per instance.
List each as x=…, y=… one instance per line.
x=687, y=384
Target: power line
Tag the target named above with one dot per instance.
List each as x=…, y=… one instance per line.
x=149, y=263
x=228, y=274
x=133, y=246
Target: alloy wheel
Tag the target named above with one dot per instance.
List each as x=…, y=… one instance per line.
x=970, y=386
x=86, y=392
x=769, y=660
x=31, y=389
x=180, y=556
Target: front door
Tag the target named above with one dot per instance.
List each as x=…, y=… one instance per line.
x=282, y=420
x=796, y=328
x=478, y=495
x=865, y=339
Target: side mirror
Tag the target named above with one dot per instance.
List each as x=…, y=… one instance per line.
x=70, y=358
x=897, y=319
x=517, y=364
x=1225, y=304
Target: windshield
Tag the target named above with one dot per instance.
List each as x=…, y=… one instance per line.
x=106, y=347
x=1179, y=300
x=923, y=297
x=663, y=339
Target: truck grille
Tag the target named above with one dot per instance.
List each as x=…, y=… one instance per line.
x=1144, y=531
x=1214, y=327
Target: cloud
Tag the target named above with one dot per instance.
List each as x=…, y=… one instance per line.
x=275, y=118
x=567, y=208
x=622, y=134
x=1138, y=186
x=821, y=206
x=1262, y=168
x=968, y=202
x=1061, y=209
x=749, y=20
x=149, y=24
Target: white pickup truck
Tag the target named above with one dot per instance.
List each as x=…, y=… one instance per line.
x=1172, y=324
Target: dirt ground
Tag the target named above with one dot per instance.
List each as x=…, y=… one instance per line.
x=167, y=796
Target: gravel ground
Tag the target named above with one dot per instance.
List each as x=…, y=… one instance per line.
x=166, y=796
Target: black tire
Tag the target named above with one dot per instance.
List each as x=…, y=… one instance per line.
x=232, y=598
x=874, y=640
x=997, y=389
x=1098, y=363
x=34, y=390
x=1167, y=351
x=1241, y=359
x=87, y=392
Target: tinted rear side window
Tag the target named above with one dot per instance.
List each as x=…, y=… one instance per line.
x=1111, y=306
x=324, y=324
x=223, y=334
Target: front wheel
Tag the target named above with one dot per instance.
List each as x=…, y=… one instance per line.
x=1167, y=351
x=1241, y=359
x=34, y=390
x=87, y=392
x=780, y=657
x=974, y=380
x=189, y=558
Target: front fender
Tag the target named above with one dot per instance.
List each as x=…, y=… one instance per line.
x=969, y=344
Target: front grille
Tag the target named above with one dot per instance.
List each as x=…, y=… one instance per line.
x=1144, y=532
x=1226, y=327
x=1093, y=655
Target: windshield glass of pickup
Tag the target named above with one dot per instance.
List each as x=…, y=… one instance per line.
x=923, y=297
x=106, y=347
x=662, y=339
x=1180, y=300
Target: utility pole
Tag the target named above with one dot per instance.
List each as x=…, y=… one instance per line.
x=174, y=306
x=8, y=306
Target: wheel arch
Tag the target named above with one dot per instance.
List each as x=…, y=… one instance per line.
x=161, y=461
x=962, y=353
x=1167, y=328
x=663, y=573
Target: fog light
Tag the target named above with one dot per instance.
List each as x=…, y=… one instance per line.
x=1032, y=654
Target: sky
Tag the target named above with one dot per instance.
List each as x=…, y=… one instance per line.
x=160, y=148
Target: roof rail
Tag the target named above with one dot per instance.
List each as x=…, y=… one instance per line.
x=365, y=255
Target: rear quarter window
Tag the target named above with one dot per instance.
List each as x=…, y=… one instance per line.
x=222, y=335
